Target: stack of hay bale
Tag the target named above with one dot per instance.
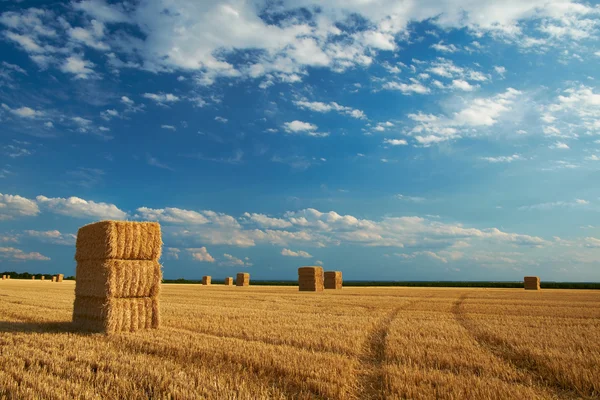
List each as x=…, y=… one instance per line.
x=242, y=279
x=333, y=279
x=310, y=279
x=531, y=283
x=229, y=281
x=206, y=280
x=118, y=276
x=60, y=277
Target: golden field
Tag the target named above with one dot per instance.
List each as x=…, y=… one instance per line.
x=255, y=342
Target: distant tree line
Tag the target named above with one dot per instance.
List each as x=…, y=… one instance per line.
x=27, y=275
x=465, y=284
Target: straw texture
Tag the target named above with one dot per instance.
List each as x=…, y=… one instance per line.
x=118, y=278
x=310, y=279
x=333, y=279
x=531, y=283
x=122, y=240
x=112, y=315
x=206, y=280
x=242, y=279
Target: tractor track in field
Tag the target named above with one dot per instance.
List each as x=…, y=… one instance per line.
x=537, y=372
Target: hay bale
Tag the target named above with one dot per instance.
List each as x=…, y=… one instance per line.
x=229, y=281
x=310, y=279
x=242, y=279
x=113, y=315
x=206, y=280
x=33, y=278
x=43, y=278
x=3, y=277
x=54, y=279
x=60, y=277
x=8, y=277
x=121, y=240
x=333, y=279
x=531, y=283
x=118, y=278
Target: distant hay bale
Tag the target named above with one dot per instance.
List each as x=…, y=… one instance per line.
x=333, y=279
x=206, y=280
x=3, y=277
x=33, y=278
x=310, y=279
x=59, y=278
x=121, y=240
x=242, y=279
x=118, y=276
x=531, y=283
x=43, y=278
x=54, y=279
x=229, y=281
x=8, y=277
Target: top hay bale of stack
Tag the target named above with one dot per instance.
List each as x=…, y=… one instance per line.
x=242, y=279
x=333, y=279
x=310, y=279
x=531, y=283
x=206, y=280
x=120, y=240
x=229, y=281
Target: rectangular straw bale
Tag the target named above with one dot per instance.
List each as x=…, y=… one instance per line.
x=60, y=277
x=531, y=283
x=3, y=277
x=229, y=281
x=33, y=278
x=8, y=277
x=333, y=279
x=310, y=279
x=112, y=315
x=54, y=279
x=206, y=280
x=123, y=240
x=242, y=279
x=118, y=278
x=43, y=278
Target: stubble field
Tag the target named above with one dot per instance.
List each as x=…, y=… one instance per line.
x=221, y=342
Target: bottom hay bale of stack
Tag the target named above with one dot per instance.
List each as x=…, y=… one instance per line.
x=310, y=279
x=113, y=315
x=229, y=281
x=206, y=280
x=242, y=279
x=531, y=283
x=333, y=279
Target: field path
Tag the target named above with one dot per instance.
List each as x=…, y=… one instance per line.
x=538, y=376
x=371, y=377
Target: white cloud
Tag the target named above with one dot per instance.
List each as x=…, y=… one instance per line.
x=500, y=70
x=267, y=222
x=169, y=127
x=12, y=206
x=79, y=67
x=231, y=261
x=54, y=237
x=109, y=114
x=300, y=127
x=221, y=119
x=80, y=208
x=412, y=199
x=555, y=204
x=127, y=101
x=13, y=254
x=201, y=254
x=172, y=215
x=407, y=88
x=503, y=159
x=592, y=242
x=463, y=85
x=559, y=146
x=161, y=98
x=396, y=142
x=173, y=253
x=449, y=48
x=299, y=253
x=326, y=107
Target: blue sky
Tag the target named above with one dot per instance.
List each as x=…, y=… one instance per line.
x=429, y=140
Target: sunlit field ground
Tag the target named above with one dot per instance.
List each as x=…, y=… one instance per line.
x=273, y=342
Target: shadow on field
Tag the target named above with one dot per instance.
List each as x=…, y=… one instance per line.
x=41, y=327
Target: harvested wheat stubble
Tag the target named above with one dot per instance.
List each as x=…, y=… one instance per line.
x=310, y=279
x=113, y=315
x=229, y=281
x=206, y=280
x=118, y=278
x=60, y=277
x=333, y=279
x=121, y=240
x=531, y=283
x=242, y=279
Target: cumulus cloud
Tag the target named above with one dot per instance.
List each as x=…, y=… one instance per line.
x=13, y=206
x=53, y=236
x=395, y=142
x=300, y=127
x=13, y=254
x=299, y=253
x=201, y=254
x=320, y=107
x=231, y=261
x=503, y=159
x=76, y=65
x=80, y=208
x=161, y=98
